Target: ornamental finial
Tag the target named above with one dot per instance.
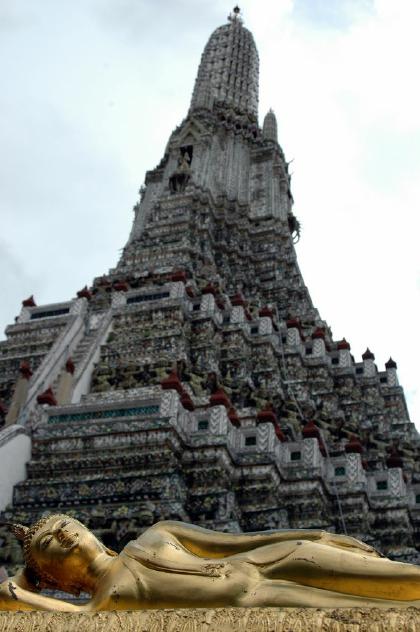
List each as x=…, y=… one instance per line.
x=235, y=15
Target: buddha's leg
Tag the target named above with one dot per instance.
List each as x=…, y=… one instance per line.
x=351, y=572
x=214, y=544
x=290, y=595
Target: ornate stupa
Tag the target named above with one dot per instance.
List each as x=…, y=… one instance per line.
x=196, y=380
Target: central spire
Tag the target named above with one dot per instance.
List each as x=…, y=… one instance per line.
x=228, y=71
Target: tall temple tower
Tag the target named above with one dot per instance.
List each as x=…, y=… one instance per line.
x=196, y=380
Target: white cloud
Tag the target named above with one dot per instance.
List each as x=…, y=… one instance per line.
x=347, y=104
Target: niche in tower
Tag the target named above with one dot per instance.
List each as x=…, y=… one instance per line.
x=181, y=176
x=187, y=149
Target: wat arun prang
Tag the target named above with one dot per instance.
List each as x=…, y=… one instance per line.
x=196, y=381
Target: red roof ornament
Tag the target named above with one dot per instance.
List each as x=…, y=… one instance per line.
x=219, y=398
x=234, y=418
x=310, y=431
x=354, y=445
x=265, y=312
x=293, y=323
x=280, y=434
x=238, y=300
x=29, y=302
x=209, y=289
x=172, y=382
x=186, y=401
x=391, y=364
x=318, y=333
x=267, y=415
x=121, y=286
x=84, y=293
x=70, y=366
x=368, y=355
x=47, y=397
x=343, y=344
x=103, y=281
x=179, y=276
x=394, y=459
x=25, y=370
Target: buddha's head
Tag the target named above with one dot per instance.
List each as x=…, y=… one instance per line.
x=60, y=553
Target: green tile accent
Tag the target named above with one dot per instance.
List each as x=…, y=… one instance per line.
x=104, y=414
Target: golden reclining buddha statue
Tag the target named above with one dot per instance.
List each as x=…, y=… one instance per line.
x=178, y=565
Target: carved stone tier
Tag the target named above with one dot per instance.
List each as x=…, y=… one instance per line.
x=219, y=620
x=269, y=422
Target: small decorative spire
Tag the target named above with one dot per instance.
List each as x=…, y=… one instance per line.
x=368, y=355
x=121, y=286
x=25, y=370
x=343, y=344
x=238, y=299
x=319, y=333
x=265, y=312
x=47, y=397
x=310, y=430
x=70, y=366
x=172, y=382
x=29, y=302
x=354, y=445
x=219, y=398
x=179, y=276
x=267, y=415
x=84, y=293
x=186, y=401
x=391, y=364
x=234, y=418
x=235, y=16
x=270, y=126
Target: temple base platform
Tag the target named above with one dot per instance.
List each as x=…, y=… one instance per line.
x=218, y=620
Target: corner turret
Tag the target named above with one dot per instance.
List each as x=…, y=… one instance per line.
x=270, y=126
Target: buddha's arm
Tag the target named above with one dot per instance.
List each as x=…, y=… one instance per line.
x=215, y=544
x=15, y=597
x=174, y=558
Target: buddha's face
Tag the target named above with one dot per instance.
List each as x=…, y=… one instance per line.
x=64, y=548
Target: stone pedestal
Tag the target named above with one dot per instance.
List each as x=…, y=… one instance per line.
x=218, y=620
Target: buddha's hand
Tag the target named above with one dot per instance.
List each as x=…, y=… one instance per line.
x=7, y=593
x=9, y=588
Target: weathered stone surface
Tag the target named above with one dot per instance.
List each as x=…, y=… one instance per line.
x=219, y=620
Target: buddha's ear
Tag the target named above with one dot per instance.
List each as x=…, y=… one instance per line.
x=111, y=552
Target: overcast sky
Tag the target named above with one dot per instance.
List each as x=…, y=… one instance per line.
x=91, y=90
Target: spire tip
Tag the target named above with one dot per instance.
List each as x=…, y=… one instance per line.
x=235, y=15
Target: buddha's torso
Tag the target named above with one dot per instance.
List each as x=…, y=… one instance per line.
x=224, y=581
x=140, y=578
